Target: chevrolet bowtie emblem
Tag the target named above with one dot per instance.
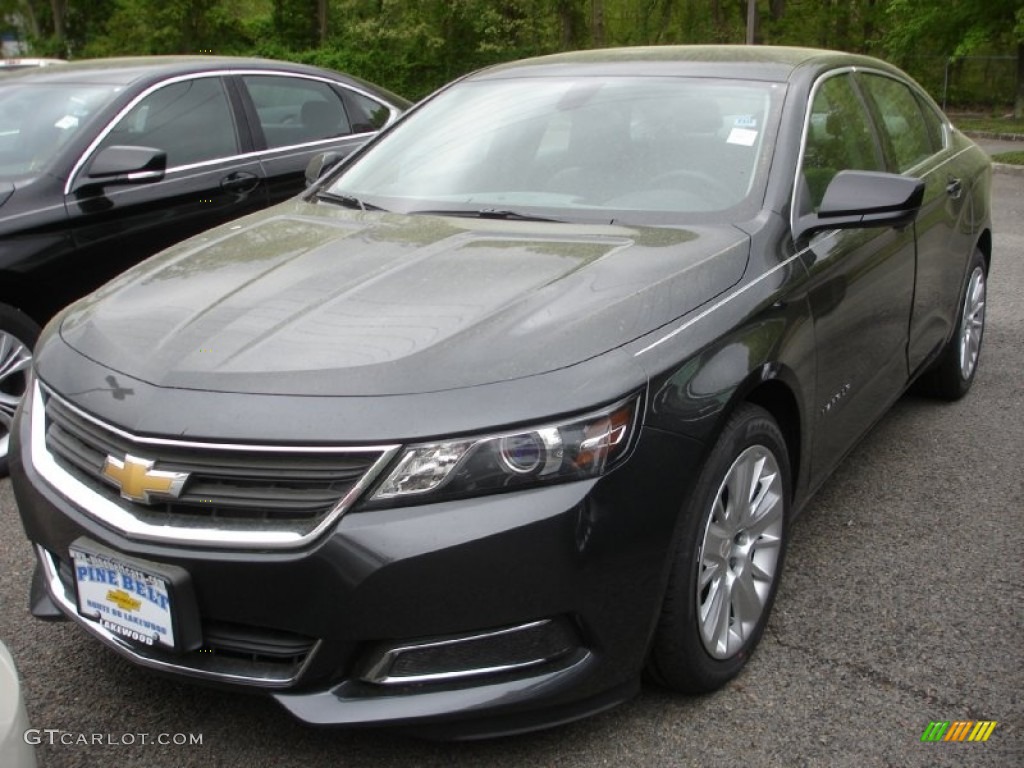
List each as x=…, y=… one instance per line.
x=138, y=481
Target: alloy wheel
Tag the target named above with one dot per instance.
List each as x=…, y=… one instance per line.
x=15, y=361
x=739, y=553
x=973, y=323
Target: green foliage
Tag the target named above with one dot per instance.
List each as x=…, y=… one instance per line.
x=990, y=124
x=143, y=27
x=1010, y=158
x=414, y=46
x=848, y=25
x=952, y=28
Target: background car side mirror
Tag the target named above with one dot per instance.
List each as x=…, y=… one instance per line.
x=319, y=165
x=127, y=165
x=858, y=199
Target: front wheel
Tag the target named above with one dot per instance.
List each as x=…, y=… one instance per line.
x=728, y=560
x=18, y=334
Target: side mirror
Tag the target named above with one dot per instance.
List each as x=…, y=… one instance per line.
x=127, y=165
x=860, y=199
x=319, y=165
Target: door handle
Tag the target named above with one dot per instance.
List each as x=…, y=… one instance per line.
x=240, y=182
x=954, y=188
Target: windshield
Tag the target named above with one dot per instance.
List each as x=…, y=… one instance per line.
x=37, y=120
x=566, y=148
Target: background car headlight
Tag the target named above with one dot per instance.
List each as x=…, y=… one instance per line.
x=575, y=449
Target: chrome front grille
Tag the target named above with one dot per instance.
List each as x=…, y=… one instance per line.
x=234, y=495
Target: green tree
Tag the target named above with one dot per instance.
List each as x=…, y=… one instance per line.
x=846, y=25
x=954, y=29
x=414, y=46
x=146, y=27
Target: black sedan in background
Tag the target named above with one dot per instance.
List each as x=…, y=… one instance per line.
x=518, y=403
x=106, y=162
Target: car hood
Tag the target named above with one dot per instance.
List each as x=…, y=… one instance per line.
x=309, y=298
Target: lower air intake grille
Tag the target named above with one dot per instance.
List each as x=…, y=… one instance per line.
x=490, y=652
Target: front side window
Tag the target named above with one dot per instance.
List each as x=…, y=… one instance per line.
x=839, y=138
x=295, y=110
x=645, y=149
x=190, y=120
x=902, y=121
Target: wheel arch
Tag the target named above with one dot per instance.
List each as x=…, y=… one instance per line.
x=985, y=246
x=768, y=364
x=18, y=294
x=776, y=397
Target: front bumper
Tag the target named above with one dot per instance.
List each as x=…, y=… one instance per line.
x=587, y=561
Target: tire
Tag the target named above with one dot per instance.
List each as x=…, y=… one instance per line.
x=952, y=375
x=18, y=334
x=710, y=624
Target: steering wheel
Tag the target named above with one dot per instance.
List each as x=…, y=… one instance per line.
x=699, y=182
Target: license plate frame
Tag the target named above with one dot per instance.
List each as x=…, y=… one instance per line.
x=145, y=604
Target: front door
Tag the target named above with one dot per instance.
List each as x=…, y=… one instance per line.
x=206, y=182
x=861, y=281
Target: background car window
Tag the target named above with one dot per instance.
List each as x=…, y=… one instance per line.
x=191, y=121
x=37, y=121
x=902, y=121
x=295, y=110
x=367, y=114
x=839, y=137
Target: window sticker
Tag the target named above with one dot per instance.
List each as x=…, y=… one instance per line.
x=742, y=136
x=745, y=121
x=66, y=123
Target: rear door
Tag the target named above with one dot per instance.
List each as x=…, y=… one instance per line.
x=211, y=176
x=915, y=143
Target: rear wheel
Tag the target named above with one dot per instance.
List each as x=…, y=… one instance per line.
x=18, y=334
x=728, y=559
x=953, y=373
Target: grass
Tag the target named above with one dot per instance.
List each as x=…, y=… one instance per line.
x=988, y=124
x=1012, y=158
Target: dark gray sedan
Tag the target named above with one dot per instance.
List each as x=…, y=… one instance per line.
x=518, y=403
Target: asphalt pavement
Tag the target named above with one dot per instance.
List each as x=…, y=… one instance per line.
x=901, y=605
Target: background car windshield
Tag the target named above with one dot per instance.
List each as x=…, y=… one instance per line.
x=668, y=145
x=36, y=121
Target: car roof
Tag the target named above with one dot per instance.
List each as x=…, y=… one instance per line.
x=744, y=62
x=128, y=70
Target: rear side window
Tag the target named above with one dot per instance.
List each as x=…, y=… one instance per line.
x=902, y=121
x=190, y=120
x=839, y=137
x=295, y=110
x=367, y=114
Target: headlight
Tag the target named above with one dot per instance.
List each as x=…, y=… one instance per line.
x=575, y=449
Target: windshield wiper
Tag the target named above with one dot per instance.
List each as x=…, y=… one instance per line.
x=348, y=201
x=485, y=213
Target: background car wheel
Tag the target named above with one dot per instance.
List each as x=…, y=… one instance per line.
x=728, y=558
x=18, y=334
x=953, y=373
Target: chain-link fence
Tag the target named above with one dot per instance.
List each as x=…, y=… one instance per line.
x=981, y=83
